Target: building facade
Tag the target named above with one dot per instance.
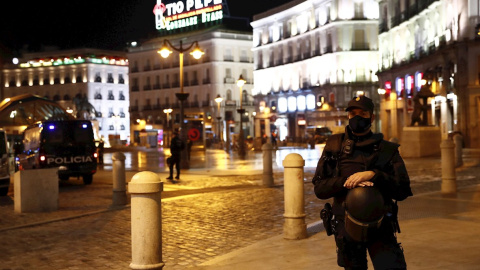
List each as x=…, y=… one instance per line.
x=310, y=59
x=90, y=83
x=155, y=81
x=437, y=42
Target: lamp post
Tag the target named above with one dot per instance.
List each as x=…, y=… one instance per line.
x=219, y=100
x=168, y=112
x=241, y=111
x=196, y=53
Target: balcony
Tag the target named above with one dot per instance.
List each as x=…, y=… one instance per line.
x=244, y=60
x=135, y=88
x=229, y=80
x=147, y=87
x=228, y=58
x=133, y=108
x=360, y=46
x=206, y=81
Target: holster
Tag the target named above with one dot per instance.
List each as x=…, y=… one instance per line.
x=392, y=216
x=326, y=215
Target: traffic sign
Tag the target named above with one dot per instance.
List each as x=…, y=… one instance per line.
x=194, y=134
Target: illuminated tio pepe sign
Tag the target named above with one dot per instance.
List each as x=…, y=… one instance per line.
x=186, y=13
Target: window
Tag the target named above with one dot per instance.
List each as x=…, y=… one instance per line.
x=310, y=102
x=292, y=104
x=121, y=96
x=121, y=80
x=110, y=95
x=110, y=78
x=98, y=95
x=301, y=103
x=399, y=86
x=66, y=97
x=98, y=78
x=282, y=105
x=273, y=105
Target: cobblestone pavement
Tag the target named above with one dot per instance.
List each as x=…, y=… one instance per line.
x=195, y=229
x=221, y=214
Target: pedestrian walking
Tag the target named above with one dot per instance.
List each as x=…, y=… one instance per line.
x=176, y=147
x=366, y=177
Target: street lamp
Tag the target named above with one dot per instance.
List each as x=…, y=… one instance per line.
x=241, y=111
x=168, y=112
x=196, y=53
x=219, y=100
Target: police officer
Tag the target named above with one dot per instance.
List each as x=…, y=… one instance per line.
x=365, y=175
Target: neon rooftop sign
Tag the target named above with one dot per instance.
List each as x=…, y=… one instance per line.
x=72, y=61
x=186, y=13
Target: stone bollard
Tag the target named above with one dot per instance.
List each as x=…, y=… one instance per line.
x=119, y=183
x=294, y=226
x=458, y=139
x=267, y=165
x=145, y=189
x=449, y=184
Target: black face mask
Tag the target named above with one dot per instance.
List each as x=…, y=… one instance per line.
x=359, y=124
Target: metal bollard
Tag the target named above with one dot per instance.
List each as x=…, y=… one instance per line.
x=146, y=221
x=449, y=184
x=294, y=226
x=458, y=139
x=267, y=165
x=119, y=183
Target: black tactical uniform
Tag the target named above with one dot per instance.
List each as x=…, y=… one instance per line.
x=344, y=155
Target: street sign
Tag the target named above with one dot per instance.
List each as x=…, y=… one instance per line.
x=194, y=134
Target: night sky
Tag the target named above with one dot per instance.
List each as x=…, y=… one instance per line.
x=103, y=24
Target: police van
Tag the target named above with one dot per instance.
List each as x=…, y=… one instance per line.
x=68, y=145
x=4, y=164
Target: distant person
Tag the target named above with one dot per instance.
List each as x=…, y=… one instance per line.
x=176, y=147
x=101, y=148
x=274, y=139
x=366, y=176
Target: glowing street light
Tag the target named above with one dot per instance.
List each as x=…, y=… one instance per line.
x=219, y=100
x=168, y=112
x=196, y=53
x=241, y=142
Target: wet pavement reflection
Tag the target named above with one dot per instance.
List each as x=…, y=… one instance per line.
x=141, y=159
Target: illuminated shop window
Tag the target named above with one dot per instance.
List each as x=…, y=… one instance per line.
x=418, y=80
x=399, y=87
x=292, y=104
x=301, y=103
x=310, y=102
x=409, y=84
x=282, y=105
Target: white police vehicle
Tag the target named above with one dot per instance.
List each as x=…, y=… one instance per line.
x=68, y=145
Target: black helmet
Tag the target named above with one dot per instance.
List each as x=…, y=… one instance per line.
x=364, y=211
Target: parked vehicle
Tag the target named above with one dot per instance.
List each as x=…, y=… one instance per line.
x=4, y=164
x=68, y=145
